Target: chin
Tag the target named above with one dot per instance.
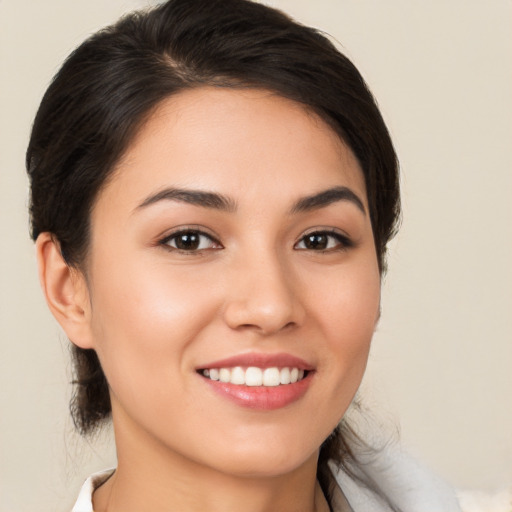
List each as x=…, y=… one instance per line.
x=265, y=461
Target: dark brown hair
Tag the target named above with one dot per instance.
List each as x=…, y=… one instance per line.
x=110, y=85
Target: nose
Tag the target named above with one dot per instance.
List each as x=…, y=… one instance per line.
x=262, y=296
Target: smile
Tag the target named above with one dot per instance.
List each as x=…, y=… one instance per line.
x=258, y=381
x=254, y=376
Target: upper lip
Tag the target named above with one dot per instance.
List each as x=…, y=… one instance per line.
x=260, y=360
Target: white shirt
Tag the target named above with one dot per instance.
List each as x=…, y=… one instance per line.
x=84, y=501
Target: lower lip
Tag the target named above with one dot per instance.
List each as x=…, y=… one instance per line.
x=265, y=398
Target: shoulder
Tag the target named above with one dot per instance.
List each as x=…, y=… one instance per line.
x=84, y=501
x=405, y=482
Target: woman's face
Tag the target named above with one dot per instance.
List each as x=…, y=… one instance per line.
x=233, y=242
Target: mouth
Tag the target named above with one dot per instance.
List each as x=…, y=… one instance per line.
x=253, y=376
x=259, y=381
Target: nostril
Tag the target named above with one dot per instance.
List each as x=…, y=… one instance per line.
x=265, y=303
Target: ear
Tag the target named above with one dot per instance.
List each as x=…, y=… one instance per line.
x=377, y=320
x=65, y=290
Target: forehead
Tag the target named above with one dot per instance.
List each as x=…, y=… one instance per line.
x=237, y=140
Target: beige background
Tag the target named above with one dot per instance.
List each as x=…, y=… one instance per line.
x=441, y=366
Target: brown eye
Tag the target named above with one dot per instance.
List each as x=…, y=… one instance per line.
x=190, y=241
x=316, y=241
x=323, y=241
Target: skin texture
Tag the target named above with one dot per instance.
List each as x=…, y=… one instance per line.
x=156, y=314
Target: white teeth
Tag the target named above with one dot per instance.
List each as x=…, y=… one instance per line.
x=237, y=376
x=224, y=375
x=284, y=377
x=271, y=377
x=254, y=376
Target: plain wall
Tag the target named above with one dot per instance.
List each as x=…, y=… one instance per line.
x=441, y=364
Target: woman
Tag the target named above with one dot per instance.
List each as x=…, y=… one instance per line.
x=213, y=189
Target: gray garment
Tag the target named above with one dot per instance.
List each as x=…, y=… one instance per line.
x=405, y=482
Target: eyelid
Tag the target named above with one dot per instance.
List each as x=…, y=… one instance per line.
x=169, y=235
x=344, y=240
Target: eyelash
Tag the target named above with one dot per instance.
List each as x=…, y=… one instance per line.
x=342, y=242
x=190, y=232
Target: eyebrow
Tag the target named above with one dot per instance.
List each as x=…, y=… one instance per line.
x=195, y=197
x=217, y=201
x=327, y=197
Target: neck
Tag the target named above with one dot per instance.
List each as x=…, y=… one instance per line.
x=150, y=477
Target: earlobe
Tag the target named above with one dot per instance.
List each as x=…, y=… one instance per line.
x=65, y=291
x=377, y=320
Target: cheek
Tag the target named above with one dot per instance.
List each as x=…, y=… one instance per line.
x=349, y=314
x=351, y=304
x=142, y=296
x=143, y=319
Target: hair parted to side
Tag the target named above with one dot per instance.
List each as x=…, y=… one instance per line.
x=112, y=83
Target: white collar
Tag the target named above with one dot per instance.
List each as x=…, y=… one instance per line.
x=84, y=501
